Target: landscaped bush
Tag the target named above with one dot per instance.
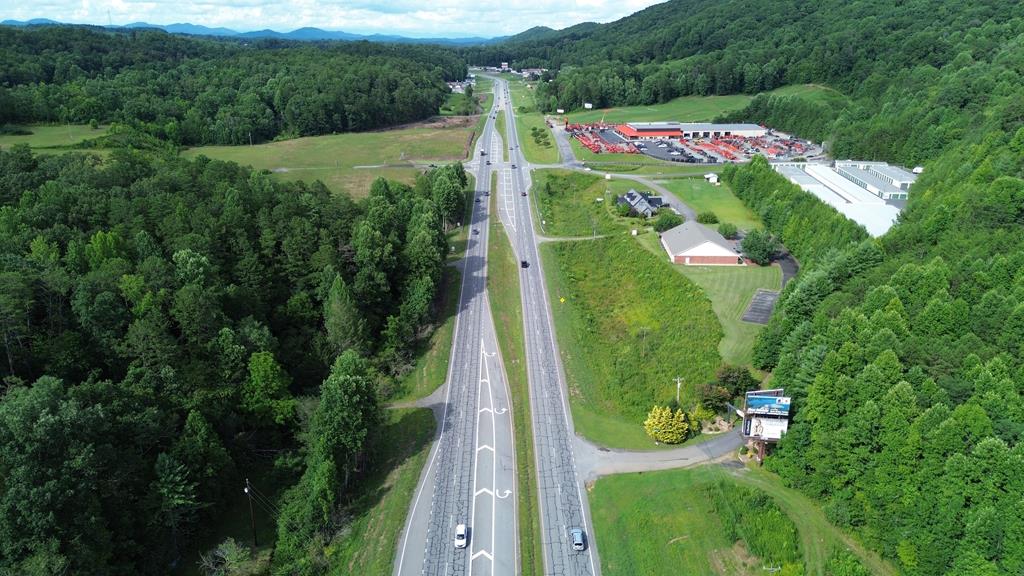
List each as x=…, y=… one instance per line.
x=707, y=218
x=667, y=221
x=728, y=230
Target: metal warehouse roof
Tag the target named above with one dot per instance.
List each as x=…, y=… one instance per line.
x=691, y=126
x=870, y=178
x=706, y=127
x=895, y=172
x=874, y=214
x=841, y=186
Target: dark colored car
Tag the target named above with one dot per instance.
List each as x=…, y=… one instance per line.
x=524, y=264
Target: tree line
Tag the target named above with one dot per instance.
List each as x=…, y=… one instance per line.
x=162, y=321
x=192, y=91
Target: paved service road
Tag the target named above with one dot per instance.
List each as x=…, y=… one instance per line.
x=563, y=497
x=470, y=475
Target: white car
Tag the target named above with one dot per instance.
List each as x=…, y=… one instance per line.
x=675, y=153
x=662, y=145
x=461, y=536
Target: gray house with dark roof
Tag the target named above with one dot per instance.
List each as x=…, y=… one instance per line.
x=640, y=204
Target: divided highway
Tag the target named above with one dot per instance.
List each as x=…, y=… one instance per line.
x=470, y=475
x=563, y=496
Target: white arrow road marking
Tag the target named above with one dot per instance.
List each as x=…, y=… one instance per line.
x=485, y=447
x=500, y=411
x=483, y=491
x=482, y=410
x=503, y=494
x=484, y=553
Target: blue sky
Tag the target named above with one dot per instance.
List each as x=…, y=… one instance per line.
x=407, y=17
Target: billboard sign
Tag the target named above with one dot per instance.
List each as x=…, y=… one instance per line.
x=765, y=428
x=560, y=111
x=768, y=405
x=588, y=105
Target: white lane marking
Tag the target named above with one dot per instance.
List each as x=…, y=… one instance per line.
x=483, y=491
x=483, y=553
x=484, y=447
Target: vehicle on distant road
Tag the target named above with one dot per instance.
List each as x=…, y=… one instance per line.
x=475, y=231
x=482, y=153
x=522, y=193
x=513, y=165
x=579, y=543
x=488, y=162
x=524, y=264
x=461, y=536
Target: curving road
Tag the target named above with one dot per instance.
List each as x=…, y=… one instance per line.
x=470, y=475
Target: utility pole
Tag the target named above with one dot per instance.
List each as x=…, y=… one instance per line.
x=252, y=514
x=679, y=383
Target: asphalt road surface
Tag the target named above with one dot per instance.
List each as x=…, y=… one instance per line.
x=470, y=475
x=562, y=494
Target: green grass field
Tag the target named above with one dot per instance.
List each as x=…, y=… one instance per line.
x=572, y=204
x=704, y=197
x=694, y=108
x=506, y=308
x=351, y=162
x=528, y=120
x=53, y=136
x=628, y=325
x=660, y=523
x=432, y=364
x=380, y=503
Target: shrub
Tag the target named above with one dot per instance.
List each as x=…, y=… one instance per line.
x=760, y=246
x=667, y=220
x=667, y=426
x=728, y=230
x=707, y=218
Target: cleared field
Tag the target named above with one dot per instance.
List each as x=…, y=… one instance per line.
x=662, y=523
x=628, y=325
x=351, y=162
x=704, y=197
x=573, y=204
x=693, y=108
x=534, y=133
x=53, y=136
x=506, y=307
x=380, y=502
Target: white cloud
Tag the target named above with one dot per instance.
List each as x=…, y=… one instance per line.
x=408, y=17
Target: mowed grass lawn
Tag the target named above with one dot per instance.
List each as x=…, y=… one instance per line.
x=530, y=121
x=694, y=108
x=705, y=197
x=660, y=523
x=571, y=203
x=380, y=501
x=350, y=162
x=53, y=136
x=628, y=325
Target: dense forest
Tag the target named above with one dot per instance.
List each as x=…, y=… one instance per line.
x=905, y=354
x=162, y=321
x=190, y=91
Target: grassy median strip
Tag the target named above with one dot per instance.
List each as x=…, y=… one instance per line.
x=506, y=307
x=499, y=123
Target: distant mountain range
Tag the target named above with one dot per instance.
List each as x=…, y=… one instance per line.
x=307, y=34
